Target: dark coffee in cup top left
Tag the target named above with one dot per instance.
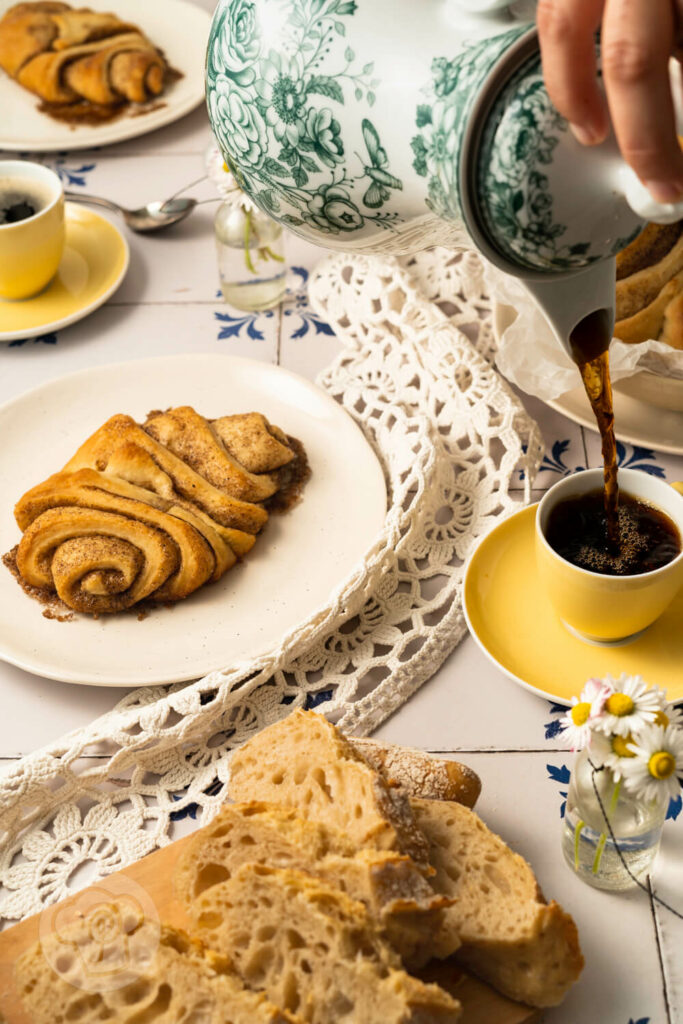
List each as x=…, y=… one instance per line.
x=20, y=200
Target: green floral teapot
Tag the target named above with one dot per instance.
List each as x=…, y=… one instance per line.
x=394, y=125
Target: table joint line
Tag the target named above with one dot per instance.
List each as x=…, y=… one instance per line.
x=660, y=953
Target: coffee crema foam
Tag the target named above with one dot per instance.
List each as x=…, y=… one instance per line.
x=21, y=198
x=577, y=531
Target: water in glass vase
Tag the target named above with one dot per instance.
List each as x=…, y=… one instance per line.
x=586, y=841
x=251, y=260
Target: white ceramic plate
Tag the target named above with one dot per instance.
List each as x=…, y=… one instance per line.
x=301, y=557
x=179, y=28
x=636, y=422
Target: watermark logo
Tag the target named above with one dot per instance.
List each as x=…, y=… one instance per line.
x=103, y=939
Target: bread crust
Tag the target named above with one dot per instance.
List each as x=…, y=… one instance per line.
x=419, y=774
x=510, y=937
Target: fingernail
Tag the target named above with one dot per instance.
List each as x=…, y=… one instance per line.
x=586, y=136
x=664, y=191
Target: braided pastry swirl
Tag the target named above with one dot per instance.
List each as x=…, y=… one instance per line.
x=67, y=55
x=153, y=511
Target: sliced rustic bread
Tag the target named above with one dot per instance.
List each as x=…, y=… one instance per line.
x=313, y=950
x=526, y=948
x=395, y=893
x=141, y=974
x=419, y=774
x=304, y=762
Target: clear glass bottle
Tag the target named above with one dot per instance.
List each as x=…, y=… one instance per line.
x=586, y=842
x=251, y=258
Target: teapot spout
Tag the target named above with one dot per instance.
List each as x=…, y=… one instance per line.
x=566, y=301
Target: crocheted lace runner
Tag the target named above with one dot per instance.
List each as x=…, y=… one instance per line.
x=415, y=373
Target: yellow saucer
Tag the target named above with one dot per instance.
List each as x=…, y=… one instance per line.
x=513, y=622
x=94, y=263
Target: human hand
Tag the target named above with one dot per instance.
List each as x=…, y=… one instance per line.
x=637, y=39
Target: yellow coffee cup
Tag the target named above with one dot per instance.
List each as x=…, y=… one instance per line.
x=608, y=609
x=31, y=248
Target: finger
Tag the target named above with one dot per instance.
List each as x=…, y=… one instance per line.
x=566, y=31
x=637, y=40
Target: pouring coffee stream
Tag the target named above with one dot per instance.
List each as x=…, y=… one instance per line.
x=589, y=343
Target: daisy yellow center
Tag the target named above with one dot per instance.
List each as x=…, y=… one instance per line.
x=581, y=713
x=661, y=719
x=619, y=746
x=620, y=705
x=661, y=765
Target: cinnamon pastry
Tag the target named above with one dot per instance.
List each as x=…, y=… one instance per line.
x=253, y=441
x=129, y=519
x=650, y=287
x=67, y=56
x=193, y=439
x=177, y=475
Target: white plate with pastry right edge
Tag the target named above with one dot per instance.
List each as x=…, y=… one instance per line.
x=178, y=28
x=300, y=558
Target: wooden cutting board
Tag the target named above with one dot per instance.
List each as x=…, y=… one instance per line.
x=154, y=875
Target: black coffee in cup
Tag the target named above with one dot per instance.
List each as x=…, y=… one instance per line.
x=577, y=530
x=20, y=200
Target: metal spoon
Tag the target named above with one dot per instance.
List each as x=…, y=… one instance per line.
x=151, y=217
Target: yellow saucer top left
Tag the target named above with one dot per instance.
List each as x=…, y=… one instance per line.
x=93, y=266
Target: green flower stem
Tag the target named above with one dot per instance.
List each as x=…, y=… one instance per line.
x=267, y=254
x=247, y=240
x=603, y=838
x=580, y=825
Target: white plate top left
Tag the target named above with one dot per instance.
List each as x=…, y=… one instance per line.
x=179, y=28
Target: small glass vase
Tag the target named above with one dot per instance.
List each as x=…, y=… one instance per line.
x=587, y=844
x=251, y=258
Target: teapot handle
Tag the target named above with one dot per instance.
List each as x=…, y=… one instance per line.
x=642, y=203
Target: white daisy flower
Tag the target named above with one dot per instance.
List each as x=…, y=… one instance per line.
x=611, y=751
x=656, y=770
x=579, y=722
x=630, y=706
x=595, y=692
x=225, y=182
x=576, y=724
x=670, y=714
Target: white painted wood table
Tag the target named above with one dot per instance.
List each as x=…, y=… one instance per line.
x=168, y=304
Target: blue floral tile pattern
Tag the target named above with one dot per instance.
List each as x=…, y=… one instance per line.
x=314, y=700
x=296, y=304
x=561, y=459
x=553, y=727
x=560, y=774
x=639, y=458
x=249, y=323
x=70, y=175
x=41, y=339
x=554, y=463
x=674, y=808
